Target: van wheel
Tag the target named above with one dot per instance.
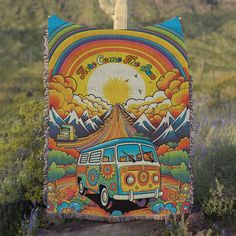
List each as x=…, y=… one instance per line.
x=105, y=199
x=142, y=202
x=82, y=189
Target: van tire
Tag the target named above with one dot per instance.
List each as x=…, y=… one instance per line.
x=82, y=189
x=105, y=200
x=142, y=202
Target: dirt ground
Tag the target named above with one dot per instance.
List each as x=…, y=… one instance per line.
x=90, y=228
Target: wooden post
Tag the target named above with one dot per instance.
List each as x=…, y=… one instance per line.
x=118, y=10
x=121, y=12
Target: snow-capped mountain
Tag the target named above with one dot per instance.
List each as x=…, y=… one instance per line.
x=97, y=120
x=55, y=118
x=183, y=117
x=183, y=128
x=90, y=125
x=80, y=128
x=55, y=122
x=83, y=125
x=72, y=118
x=172, y=130
x=165, y=123
x=169, y=129
x=167, y=136
x=85, y=116
x=106, y=114
x=143, y=125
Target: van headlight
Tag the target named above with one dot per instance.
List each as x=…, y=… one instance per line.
x=155, y=178
x=129, y=179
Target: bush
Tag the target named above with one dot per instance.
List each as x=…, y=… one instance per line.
x=55, y=172
x=21, y=145
x=218, y=162
x=181, y=173
x=165, y=170
x=21, y=166
x=219, y=204
x=70, y=170
x=13, y=217
x=175, y=158
x=60, y=158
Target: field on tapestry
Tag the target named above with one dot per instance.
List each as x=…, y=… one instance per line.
x=119, y=121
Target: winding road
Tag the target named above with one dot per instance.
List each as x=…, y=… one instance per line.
x=117, y=125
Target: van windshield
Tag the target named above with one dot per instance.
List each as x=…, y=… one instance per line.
x=149, y=153
x=129, y=153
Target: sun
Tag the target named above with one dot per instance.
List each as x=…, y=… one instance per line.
x=116, y=90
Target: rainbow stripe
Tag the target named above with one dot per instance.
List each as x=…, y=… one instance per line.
x=161, y=45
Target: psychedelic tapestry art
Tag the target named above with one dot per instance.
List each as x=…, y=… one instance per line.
x=118, y=137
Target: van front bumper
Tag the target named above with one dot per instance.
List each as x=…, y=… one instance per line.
x=132, y=196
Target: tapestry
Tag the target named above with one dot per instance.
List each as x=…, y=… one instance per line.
x=118, y=123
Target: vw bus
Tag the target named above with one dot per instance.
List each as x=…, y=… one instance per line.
x=120, y=169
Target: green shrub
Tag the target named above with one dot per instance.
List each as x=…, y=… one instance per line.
x=165, y=170
x=217, y=161
x=219, y=204
x=181, y=173
x=172, y=144
x=21, y=145
x=70, y=170
x=175, y=158
x=55, y=172
x=60, y=158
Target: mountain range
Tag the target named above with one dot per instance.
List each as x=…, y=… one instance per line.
x=144, y=126
x=169, y=129
x=55, y=122
x=84, y=125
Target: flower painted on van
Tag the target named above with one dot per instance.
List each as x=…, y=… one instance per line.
x=93, y=177
x=107, y=171
x=113, y=186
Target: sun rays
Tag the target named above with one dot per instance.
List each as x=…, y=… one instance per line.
x=116, y=90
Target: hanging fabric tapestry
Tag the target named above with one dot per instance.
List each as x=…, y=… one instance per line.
x=118, y=137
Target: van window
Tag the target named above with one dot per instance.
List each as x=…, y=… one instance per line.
x=149, y=153
x=84, y=158
x=129, y=153
x=108, y=155
x=95, y=157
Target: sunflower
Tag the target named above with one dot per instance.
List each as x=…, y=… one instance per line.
x=107, y=171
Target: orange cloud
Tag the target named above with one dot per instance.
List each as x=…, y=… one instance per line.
x=182, y=96
x=61, y=94
x=63, y=99
x=55, y=99
x=172, y=95
x=67, y=82
x=164, y=82
x=174, y=86
x=176, y=110
x=176, y=89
